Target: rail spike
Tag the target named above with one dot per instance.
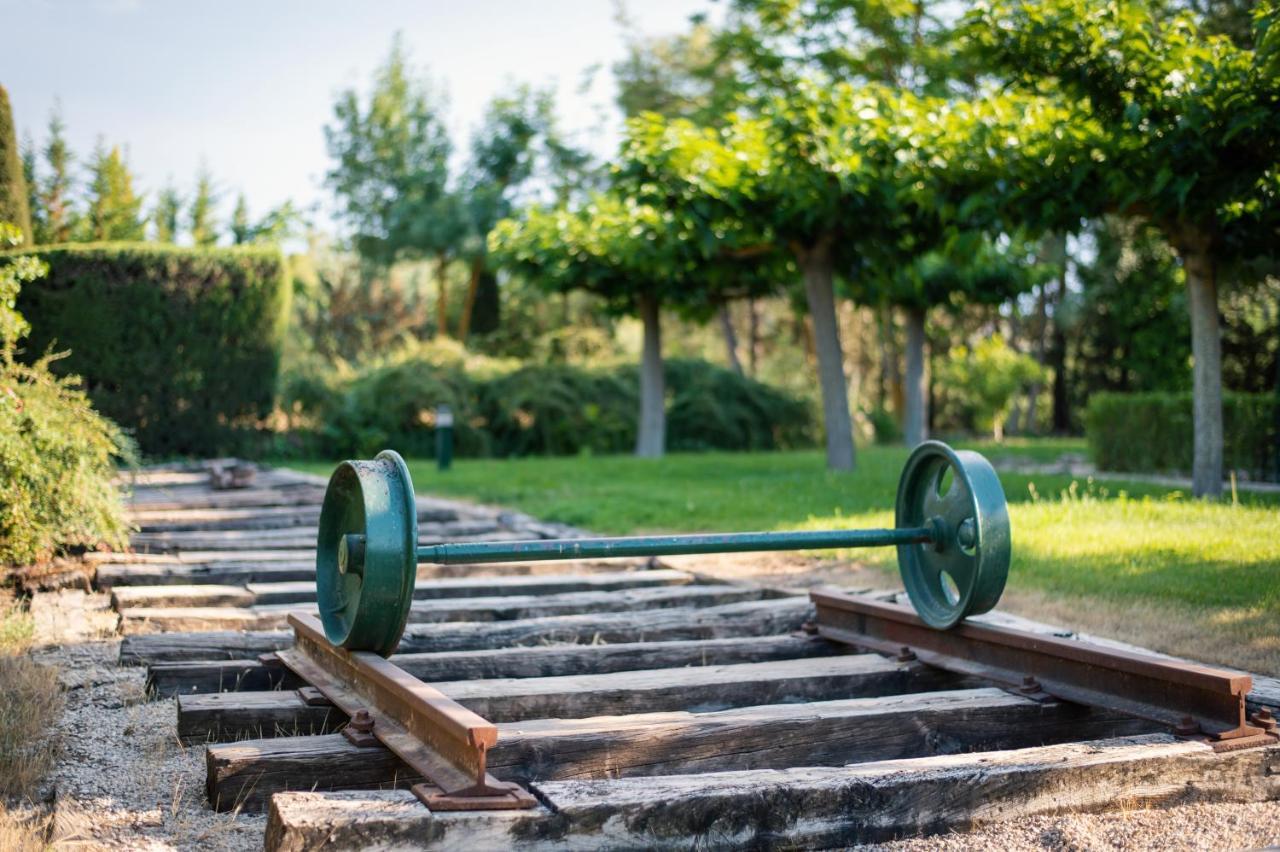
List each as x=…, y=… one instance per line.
x=951, y=528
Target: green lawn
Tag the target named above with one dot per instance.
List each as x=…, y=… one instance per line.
x=1110, y=540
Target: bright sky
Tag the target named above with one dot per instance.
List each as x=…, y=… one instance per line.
x=247, y=85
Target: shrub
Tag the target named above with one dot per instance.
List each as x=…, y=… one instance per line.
x=552, y=409
x=716, y=409
x=986, y=378
x=57, y=455
x=180, y=346
x=560, y=410
x=1152, y=432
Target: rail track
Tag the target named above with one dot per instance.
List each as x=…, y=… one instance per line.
x=638, y=706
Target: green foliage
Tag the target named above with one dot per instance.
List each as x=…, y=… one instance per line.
x=57, y=455
x=391, y=164
x=986, y=378
x=1127, y=327
x=621, y=251
x=885, y=428
x=14, y=204
x=553, y=409
x=1152, y=432
x=115, y=211
x=1192, y=129
x=58, y=219
x=165, y=215
x=179, y=346
x=717, y=409
x=204, y=231
x=57, y=461
x=556, y=409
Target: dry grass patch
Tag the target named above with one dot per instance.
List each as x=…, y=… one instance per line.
x=24, y=829
x=29, y=706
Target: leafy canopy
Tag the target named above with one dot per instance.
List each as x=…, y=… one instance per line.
x=1192, y=121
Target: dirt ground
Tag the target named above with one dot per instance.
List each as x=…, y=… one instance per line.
x=123, y=780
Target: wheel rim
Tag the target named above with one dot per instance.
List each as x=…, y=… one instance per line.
x=958, y=494
x=366, y=554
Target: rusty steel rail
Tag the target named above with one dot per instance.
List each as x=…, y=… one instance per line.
x=1196, y=700
x=441, y=740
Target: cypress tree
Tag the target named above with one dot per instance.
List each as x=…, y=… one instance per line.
x=13, y=187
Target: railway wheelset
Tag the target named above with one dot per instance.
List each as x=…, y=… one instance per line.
x=951, y=531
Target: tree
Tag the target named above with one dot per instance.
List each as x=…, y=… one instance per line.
x=200, y=221
x=817, y=171
x=391, y=164
x=241, y=230
x=1192, y=138
x=517, y=143
x=14, y=207
x=114, y=210
x=952, y=270
x=31, y=181
x=990, y=375
x=59, y=221
x=638, y=259
x=166, y=213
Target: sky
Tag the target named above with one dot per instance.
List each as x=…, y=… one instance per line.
x=246, y=87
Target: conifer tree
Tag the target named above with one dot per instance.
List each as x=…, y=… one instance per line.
x=115, y=211
x=33, y=195
x=203, y=229
x=241, y=231
x=59, y=217
x=164, y=216
x=13, y=187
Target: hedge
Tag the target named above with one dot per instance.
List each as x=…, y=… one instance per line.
x=552, y=409
x=179, y=346
x=1152, y=432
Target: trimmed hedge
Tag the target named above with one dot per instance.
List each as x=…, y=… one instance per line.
x=179, y=346
x=552, y=409
x=1152, y=432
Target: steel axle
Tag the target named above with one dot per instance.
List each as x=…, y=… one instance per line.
x=477, y=552
x=952, y=535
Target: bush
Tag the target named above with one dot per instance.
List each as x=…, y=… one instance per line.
x=1152, y=432
x=180, y=346
x=553, y=409
x=561, y=410
x=716, y=409
x=57, y=455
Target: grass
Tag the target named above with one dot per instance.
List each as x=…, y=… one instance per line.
x=1120, y=546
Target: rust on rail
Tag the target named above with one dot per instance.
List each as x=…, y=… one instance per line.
x=1195, y=700
x=441, y=740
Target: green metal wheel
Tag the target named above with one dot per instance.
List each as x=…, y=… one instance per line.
x=366, y=554
x=963, y=572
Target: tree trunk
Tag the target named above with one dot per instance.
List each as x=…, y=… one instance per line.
x=442, y=296
x=916, y=419
x=819, y=287
x=469, y=305
x=730, y=338
x=1206, y=369
x=1056, y=358
x=753, y=337
x=651, y=435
